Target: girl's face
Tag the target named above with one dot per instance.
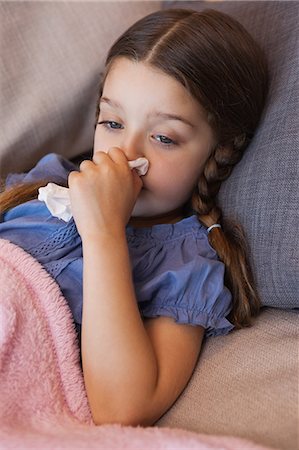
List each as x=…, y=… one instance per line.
x=147, y=113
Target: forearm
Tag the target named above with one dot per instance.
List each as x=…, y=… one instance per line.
x=119, y=363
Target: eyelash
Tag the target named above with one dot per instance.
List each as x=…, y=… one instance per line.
x=106, y=124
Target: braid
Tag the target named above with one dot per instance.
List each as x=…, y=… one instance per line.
x=217, y=169
x=230, y=243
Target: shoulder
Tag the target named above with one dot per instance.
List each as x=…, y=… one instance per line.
x=178, y=274
x=181, y=248
x=188, y=236
x=52, y=167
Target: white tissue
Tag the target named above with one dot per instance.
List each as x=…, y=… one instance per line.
x=140, y=164
x=57, y=198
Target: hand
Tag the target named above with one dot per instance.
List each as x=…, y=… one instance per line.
x=103, y=193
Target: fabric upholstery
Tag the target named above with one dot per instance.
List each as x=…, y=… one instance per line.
x=262, y=192
x=246, y=384
x=52, y=54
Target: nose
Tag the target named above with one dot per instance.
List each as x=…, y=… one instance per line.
x=133, y=145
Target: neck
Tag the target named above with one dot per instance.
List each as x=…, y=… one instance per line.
x=171, y=217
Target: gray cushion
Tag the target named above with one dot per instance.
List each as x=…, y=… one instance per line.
x=52, y=54
x=262, y=192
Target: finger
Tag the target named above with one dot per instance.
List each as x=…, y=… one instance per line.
x=73, y=177
x=99, y=157
x=138, y=182
x=85, y=165
x=117, y=155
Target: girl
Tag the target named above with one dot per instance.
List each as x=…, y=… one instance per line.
x=185, y=90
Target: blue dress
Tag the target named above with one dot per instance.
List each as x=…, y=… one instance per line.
x=176, y=272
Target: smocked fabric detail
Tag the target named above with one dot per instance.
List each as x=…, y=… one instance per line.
x=59, y=239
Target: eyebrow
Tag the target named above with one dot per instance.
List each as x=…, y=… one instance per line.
x=163, y=115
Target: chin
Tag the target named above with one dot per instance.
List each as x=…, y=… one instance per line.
x=148, y=207
x=142, y=211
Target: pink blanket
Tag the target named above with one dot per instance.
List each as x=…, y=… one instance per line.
x=43, y=403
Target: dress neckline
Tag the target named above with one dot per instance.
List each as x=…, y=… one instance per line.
x=171, y=217
x=163, y=231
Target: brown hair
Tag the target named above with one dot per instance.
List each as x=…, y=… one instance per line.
x=220, y=64
x=17, y=194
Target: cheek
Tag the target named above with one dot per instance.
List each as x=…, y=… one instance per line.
x=96, y=142
x=174, y=180
x=102, y=141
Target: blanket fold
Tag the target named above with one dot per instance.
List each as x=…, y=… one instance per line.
x=43, y=403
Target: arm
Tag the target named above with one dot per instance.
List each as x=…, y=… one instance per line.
x=133, y=371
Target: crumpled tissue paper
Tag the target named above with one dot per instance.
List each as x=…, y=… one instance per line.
x=57, y=198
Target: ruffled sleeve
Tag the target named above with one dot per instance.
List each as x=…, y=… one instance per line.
x=181, y=277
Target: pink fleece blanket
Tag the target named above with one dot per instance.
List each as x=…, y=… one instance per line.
x=43, y=404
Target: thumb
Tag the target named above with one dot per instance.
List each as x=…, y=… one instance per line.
x=138, y=183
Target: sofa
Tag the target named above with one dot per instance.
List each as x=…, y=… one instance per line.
x=245, y=384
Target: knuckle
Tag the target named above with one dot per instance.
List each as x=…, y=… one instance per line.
x=98, y=156
x=72, y=175
x=85, y=164
x=114, y=149
x=116, y=152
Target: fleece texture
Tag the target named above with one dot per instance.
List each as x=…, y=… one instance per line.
x=43, y=402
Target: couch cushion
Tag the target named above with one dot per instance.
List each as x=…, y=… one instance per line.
x=262, y=192
x=52, y=54
x=246, y=384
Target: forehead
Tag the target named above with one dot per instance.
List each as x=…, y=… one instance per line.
x=139, y=82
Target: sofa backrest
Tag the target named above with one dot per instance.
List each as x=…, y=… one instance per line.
x=52, y=55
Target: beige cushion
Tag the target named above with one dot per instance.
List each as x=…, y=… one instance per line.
x=246, y=384
x=52, y=54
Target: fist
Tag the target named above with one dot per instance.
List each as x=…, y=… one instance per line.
x=103, y=193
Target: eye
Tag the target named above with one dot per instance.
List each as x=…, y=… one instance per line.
x=111, y=125
x=164, y=140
